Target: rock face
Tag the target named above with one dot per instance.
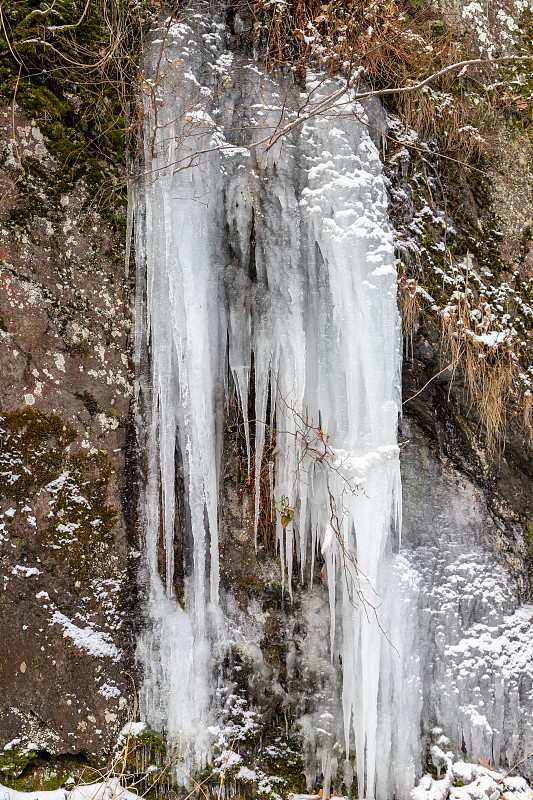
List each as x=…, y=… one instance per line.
x=65, y=499
x=68, y=533
x=453, y=432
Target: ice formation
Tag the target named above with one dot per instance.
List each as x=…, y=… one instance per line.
x=474, y=637
x=270, y=259
x=283, y=252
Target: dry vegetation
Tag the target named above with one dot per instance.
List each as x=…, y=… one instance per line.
x=72, y=66
x=381, y=44
x=343, y=36
x=486, y=364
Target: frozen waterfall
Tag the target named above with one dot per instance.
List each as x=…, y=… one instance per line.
x=271, y=262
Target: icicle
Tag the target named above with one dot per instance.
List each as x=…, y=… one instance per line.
x=285, y=253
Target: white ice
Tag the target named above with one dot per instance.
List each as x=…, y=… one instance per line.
x=283, y=251
x=272, y=261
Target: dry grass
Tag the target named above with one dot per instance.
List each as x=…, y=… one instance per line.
x=388, y=45
x=451, y=119
x=409, y=305
x=339, y=36
x=487, y=367
x=527, y=416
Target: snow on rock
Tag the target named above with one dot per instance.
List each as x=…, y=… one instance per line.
x=464, y=781
x=96, y=643
x=107, y=790
x=130, y=731
x=26, y=572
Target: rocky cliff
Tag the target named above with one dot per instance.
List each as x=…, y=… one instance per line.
x=67, y=497
x=68, y=461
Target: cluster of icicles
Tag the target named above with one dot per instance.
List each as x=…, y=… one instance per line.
x=282, y=251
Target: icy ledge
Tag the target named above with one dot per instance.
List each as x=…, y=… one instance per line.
x=462, y=781
x=106, y=790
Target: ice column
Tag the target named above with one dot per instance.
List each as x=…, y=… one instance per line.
x=181, y=359
x=280, y=249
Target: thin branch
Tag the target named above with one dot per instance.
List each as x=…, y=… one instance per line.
x=430, y=381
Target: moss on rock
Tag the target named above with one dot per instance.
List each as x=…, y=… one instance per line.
x=14, y=758
x=55, y=64
x=36, y=457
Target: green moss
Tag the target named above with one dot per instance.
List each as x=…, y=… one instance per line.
x=77, y=349
x=33, y=206
x=146, y=760
x=48, y=781
x=32, y=450
x=25, y=768
x=282, y=759
x=14, y=760
x=75, y=97
x=272, y=596
x=482, y=243
x=152, y=741
x=276, y=763
x=457, y=782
